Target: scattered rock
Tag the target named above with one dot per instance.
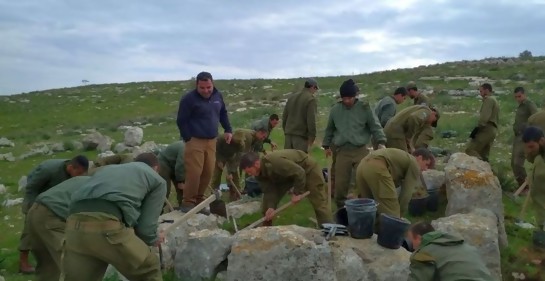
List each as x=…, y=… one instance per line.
x=238, y=209
x=471, y=184
x=479, y=229
x=96, y=140
x=298, y=253
x=43, y=150
x=177, y=237
x=22, y=183
x=58, y=147
x=133, y=136
x=148, y=146
x=434, y=179
x=8, y=157
x=122, y=148
x=200, y=256
x=105, y=154
x=7, y=143
x=76, y=145
x=3, y=189
x=12, y=202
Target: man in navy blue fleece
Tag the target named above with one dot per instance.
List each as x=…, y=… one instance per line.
x=199, y=113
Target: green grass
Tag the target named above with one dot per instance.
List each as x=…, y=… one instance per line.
x=62, y=115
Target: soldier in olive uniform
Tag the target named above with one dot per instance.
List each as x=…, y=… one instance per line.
x=534, y=148
x=46, y=223
x=417, y=97
x=386, y=107
x=350, y=126
x=115, y=159
x=410, y=126
x=483, y=136
x=113, y=220
x=537, y=119
x=443, y=256
x=269, y=123
x=299, y=118
x=524, y=110
x=382, y=170
x=46, y=175
x=172, y=169
x=228, y=156
x=282, y=171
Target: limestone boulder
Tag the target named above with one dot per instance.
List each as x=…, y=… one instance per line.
x=479, y=229
x=96, y=140
x=471, y=184
x=133, y=136
x=240, y=208
x=434, y=179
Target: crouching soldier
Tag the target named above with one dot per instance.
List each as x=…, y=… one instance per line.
x=228, y=156
x=534, y=149
x=284, y=171
x=268, y=122
x=171, y=168
x=411, y=127
x=382, y=170
x=46, y=175
x=113, y=220
x=46, y=223
x=115, y=159
x=443, y=256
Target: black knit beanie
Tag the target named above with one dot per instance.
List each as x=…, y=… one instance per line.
x=349, y=89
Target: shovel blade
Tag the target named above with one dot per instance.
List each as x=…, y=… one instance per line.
x=218, y=207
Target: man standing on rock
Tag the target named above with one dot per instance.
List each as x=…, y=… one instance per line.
x=198, y=116
x=417, y=97
x=288, y=171
x=228, y=156
x=410, y=128
x=113, y=220
x=46, y=175
x=483, y=136
x=172, y=169
x=534, y=148
x=350, y=127
x=269, y=123
x=382, y=170
x=525, y=109
x=443, y=256
x=46, y=223
x=299, y=118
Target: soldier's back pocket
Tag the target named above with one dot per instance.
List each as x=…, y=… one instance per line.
x=130, y=251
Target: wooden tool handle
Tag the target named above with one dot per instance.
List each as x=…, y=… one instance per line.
x=236, y=189
x=261, y=220
x=193, y=211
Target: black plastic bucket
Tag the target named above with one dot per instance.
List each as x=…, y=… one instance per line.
x=341, y=216
x=417, y=207
x=361, y=215
x=392, y=231
x=433, y=200
x=251, y=187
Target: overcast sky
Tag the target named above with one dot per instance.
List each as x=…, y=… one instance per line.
x=52, y=43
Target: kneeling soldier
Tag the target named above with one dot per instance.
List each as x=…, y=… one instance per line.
x=443, y=256
x=279, y=171
x=113, y=220
x=46, y=223
x=171, y=168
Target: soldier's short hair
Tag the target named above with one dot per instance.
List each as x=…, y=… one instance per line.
x=519, y=90
x=421, y=228
x=426, y=154
x=532, y=134
x=401, y=91
x=487, y=86
x=274, y=116
x=80, y=161
x=147, y=157
x=248, y=160
x=204, y=76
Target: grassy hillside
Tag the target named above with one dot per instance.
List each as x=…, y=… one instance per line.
x=35, y=119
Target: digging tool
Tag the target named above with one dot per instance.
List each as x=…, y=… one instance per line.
x=218, y=206
x=313, y=220
x=519, y=221
x=170, y=208
x=283, y=207
x=329, y=186
x=521, y=188
x=235, y=187
x=195, y=210
x=235, y=224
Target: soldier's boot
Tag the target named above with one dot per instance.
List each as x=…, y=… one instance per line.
x=233, y=194
x=24, y=265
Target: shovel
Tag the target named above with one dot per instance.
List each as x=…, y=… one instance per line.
x=519, y=221
x=283, y=207
x=218, y=206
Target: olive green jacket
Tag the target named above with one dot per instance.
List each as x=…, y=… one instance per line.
x=172, y=157
x=46, y=175
x=408, y=123
x=57, y=199
x=538, y=120
x=525, y=109
x=385, y=110
x=300, y=114
x=489, y=112
x=243, y=141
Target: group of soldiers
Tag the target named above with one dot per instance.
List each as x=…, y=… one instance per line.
x=108, y=214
